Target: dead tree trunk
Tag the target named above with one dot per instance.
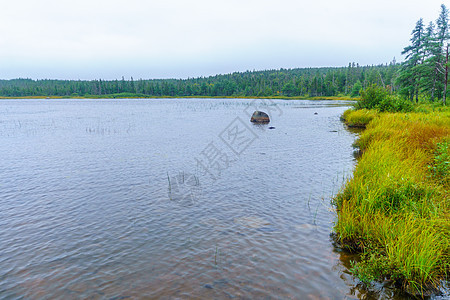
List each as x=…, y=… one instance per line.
x=446, y=76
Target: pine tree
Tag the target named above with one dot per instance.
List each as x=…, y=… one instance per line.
x=427, y=68
x=410, y=74
x=437, y=50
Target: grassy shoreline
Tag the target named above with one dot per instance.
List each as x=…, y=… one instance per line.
x=395, y=209
x=132, y=96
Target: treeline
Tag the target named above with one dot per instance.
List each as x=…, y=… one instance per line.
x=424, y=73
x=301, y=82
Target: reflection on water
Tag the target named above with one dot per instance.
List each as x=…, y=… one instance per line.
x=111, y=199
x=384, y=290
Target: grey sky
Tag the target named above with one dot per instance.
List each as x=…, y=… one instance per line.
x=88, y=39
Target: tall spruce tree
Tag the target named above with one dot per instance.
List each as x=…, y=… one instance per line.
x=423, y=71
x=428, y=66
x=441, y=36
x=410, y=73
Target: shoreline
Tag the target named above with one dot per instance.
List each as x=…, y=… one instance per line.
x=340, y=98
x=395, y=209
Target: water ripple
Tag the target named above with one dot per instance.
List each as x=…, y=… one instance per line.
x=86, y=210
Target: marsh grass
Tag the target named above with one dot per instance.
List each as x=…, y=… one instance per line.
x=170, y=186
x=358, y=118
x=441, y=162
x=395, y=208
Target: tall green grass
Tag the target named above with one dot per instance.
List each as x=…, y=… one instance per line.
x=358, y=118
x=395, y=208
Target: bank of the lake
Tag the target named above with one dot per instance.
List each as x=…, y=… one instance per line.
x=395, y=208
x=142, y=96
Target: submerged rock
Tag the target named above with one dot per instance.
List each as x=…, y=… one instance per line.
x=305, y=227
x=253, y=222
x=215, y=224
x=260, y=117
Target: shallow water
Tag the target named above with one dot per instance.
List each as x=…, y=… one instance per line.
x=179, y=198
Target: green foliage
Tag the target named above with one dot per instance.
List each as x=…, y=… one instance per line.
x=374, y=266
x=311, y=82
x=371, y=97
x=357, y=87
x=289, y=89
x=394, y=103
x=423, y=71
x=441, y=161
x=410, y=74
x=379, y=98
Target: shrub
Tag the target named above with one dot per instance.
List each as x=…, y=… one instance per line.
x=393, y=103
x=377, y=97
x=357, y=87
x=371, y=97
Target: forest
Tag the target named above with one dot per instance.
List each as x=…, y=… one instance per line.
x=424, y=74
x=306, y=82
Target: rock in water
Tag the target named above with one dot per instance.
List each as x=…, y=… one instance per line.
x=260, y=117
x=253, y=222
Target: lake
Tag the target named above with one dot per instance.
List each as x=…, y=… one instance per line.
x=173, y=198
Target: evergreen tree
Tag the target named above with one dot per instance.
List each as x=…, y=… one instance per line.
x=357, y=87
x=428, y=66
x=437, y=50
x=410, y=73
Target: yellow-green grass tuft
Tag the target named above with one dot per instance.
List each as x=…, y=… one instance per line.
x=395, y=208
x=358, y=118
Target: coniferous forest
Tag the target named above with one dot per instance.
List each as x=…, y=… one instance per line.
x=312, y=82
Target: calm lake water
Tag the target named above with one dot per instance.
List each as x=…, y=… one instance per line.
x=179, y=198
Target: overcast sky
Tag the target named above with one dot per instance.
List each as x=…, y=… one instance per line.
x=108, y=39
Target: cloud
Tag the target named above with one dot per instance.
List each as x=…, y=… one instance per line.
x=175, y=38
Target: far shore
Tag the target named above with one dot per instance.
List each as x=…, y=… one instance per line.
x=338, y=98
